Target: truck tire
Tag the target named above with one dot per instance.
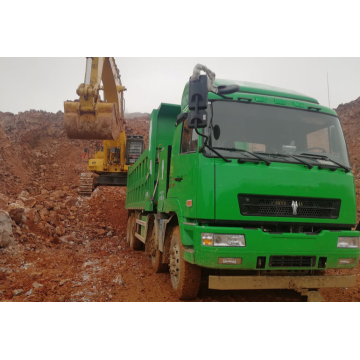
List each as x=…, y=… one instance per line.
x=185, y=277
x=155, y=254
x=135, y=243
x=157, y=264
x=128, y=232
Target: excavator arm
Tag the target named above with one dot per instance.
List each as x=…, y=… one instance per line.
x=93, y=118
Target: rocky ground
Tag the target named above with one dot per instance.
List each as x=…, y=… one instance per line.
x=67, y=248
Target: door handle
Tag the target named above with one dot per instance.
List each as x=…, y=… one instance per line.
x=179, y=179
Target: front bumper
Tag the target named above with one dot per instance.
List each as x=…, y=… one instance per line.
x=280, y=282
x=263, y=244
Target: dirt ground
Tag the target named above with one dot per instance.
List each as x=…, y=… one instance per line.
x=86, y=266
x=74, y=249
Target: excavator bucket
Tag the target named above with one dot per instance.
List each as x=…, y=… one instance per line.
x=102, y=124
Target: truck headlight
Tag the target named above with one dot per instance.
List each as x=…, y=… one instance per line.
x=209, y=239
x=348, y=242
x=229, y=240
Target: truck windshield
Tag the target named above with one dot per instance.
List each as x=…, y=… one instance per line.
x=272, y=130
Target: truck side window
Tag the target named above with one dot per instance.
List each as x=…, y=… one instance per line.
x=189, y=139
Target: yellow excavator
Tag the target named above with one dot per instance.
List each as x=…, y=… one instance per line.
x=101, y=118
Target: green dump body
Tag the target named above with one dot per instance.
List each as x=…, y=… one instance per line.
x=142, y=176
x=208, y=195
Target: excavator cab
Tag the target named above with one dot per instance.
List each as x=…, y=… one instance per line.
x=134, y=148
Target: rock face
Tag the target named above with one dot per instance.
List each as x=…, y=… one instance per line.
x=349, y=115
x=6, y=234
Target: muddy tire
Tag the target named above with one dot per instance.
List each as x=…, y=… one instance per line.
x=135, y=243
x=154, y=253
x=157, y=263
x=185, y=277
x=128, y=232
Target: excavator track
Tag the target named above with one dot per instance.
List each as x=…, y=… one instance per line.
x=86, y=184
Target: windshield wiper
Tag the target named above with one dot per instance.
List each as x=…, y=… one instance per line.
x=209, y=147
x=214, y=151
x=324, y=157
x=293, y=157
x=246, y=152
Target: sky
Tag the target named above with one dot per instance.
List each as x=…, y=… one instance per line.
x=45, y=83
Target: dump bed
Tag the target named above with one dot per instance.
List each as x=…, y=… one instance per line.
x=142, y=188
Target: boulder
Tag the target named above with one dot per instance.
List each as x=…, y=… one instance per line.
x=44, y=212
x=24, y=194
x=6, y=233
x=55, y=219
x=18, y=292
x=60, y=230
x=19, y=202
x=27, y=201
x=16, y=212
x=71, y=201
x=32, y=215
x=49, y=205
x=4, y=201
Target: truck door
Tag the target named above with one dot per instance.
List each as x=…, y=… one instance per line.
x=183, y=170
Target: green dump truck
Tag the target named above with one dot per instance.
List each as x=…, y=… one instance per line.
x=247, y=186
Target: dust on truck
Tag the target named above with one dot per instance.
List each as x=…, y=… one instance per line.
x=248, y=186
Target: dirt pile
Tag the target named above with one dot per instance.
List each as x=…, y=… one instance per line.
x=35, y=153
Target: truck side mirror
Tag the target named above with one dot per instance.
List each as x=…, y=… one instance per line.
x=228, y=89
x=198, y=101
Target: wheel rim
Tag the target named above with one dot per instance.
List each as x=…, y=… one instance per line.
x=175, y=263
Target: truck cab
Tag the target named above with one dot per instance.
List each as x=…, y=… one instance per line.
x=261, y=196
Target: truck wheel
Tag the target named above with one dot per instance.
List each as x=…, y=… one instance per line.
x=185, y=277
x=156, y=262
x=135, y=243
x=155, y=254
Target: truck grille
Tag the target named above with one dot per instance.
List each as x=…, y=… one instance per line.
x=292, y=261
x=263, y=205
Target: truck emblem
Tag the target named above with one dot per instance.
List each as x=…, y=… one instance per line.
x=294, y=206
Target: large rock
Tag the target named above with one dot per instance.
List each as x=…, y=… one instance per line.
x=71, y=201
x=4, y=201
x=17, y=213
x=32, y=215
x=60, y=230
x=44, y=212
x=28, y=201
x=6, y=234
x=49, y=205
